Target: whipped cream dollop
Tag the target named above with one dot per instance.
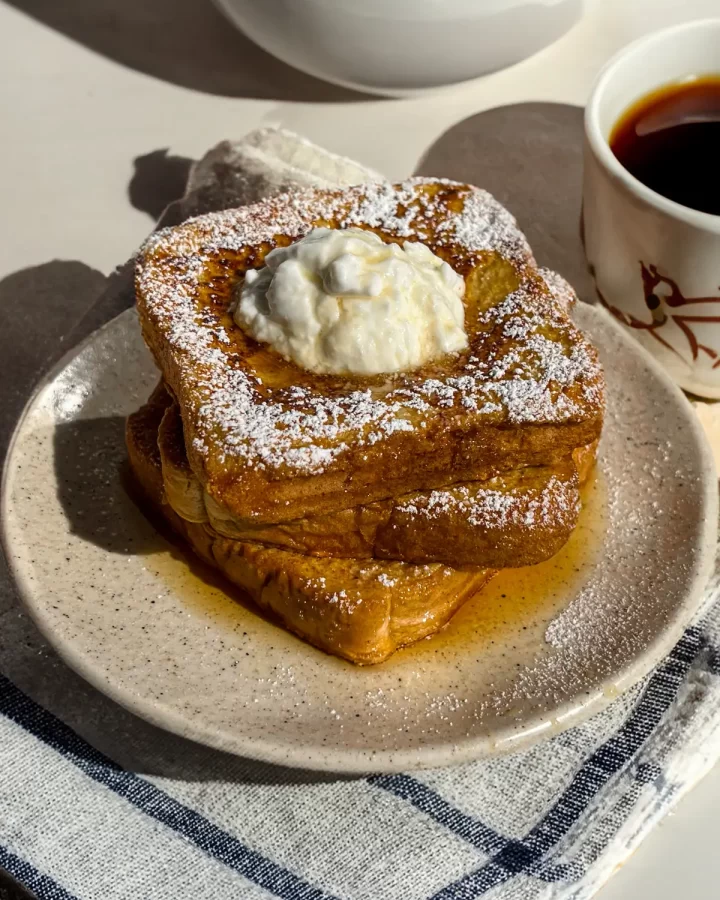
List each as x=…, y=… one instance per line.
x=343, y=301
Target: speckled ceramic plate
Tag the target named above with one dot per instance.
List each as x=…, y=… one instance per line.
x=537, y=651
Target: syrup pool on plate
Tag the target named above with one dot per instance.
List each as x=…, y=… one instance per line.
x=526, y=598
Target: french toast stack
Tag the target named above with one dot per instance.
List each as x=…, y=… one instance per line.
x=362, y=511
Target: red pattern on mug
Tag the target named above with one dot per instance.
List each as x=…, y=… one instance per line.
x=661, y=306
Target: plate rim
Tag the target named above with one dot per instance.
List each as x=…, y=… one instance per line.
x=336, y=758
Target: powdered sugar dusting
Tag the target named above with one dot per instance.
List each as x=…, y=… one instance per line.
x=386, y=580
x=549, y=504
x=561, y=289
x=485, y=224
x=523, y=375
x=527, y=362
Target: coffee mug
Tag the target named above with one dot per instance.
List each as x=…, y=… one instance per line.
x=656, y=263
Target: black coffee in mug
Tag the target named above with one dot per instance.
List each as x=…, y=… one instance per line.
x=670, y=140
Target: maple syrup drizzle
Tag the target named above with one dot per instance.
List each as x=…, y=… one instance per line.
x=516, y=599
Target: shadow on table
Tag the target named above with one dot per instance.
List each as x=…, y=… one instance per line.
x=159, y=177
x=38, y=307
x=185, y=42
x=529, y=156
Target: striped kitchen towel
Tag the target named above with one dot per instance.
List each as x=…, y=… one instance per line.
x=98, y=805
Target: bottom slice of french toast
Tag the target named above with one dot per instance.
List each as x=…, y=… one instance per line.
x=361, y=610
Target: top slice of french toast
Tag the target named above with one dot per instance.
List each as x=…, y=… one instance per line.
x=271, y=441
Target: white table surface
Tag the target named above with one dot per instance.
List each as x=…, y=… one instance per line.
x=87, y=86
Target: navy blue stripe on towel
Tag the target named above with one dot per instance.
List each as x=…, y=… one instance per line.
x=432, y=804
x=523, y=857
x=151, y=800
x=464, y=826
x=28, y=876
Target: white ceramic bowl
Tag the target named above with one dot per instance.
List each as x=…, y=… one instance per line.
x=401, y=47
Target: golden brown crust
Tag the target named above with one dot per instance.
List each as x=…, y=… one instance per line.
x=359, y=610
x=270, y=442
x=517, y=519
